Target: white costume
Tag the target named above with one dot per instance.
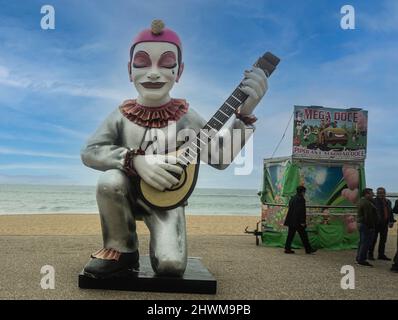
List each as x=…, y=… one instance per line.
x=133, y=126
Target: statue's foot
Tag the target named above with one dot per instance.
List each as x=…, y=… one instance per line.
x=109, y=263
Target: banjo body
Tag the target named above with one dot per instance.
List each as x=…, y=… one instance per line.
x=176, y=195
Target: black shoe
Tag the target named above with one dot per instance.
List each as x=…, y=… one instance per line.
x=312, y=251
x=289, y=251
x=394, y=268
x=364, y=263
x=371, y=257
x=103, y=268
x=383, y=257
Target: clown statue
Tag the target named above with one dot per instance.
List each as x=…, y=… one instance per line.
x=120, y=149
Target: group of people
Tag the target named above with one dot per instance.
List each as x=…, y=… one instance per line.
x=375, y=216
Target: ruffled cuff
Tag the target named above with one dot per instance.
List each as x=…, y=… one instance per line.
x=128, y=166
x=246, y=119
x=106, y=254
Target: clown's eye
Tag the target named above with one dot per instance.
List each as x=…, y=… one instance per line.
x=168, y=60
x=141, y=60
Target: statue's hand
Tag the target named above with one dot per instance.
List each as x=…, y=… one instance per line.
x=154, y=170
x=255, y=85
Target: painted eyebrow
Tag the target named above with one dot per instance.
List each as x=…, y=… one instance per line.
x=168, y=53
x=142, y=52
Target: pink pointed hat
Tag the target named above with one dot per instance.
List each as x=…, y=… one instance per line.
x=157, y=33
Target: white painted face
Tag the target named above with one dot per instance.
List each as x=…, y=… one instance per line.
x=154, y=68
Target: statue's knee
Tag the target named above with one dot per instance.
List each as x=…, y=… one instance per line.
x=171, y=267
x=112, y=183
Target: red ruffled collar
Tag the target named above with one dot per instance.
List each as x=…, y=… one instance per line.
x=154, y=117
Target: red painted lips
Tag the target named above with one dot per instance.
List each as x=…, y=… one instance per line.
x=153, y=85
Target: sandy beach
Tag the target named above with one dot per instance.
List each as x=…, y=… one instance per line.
x=242, y=269
x=89, y=224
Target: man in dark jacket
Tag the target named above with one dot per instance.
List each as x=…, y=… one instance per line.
x=385, y=220
x=394, y=267
x=367, y=220
x=296, y=221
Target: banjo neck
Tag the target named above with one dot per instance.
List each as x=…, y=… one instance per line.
x=217, y=121
x=267, y=63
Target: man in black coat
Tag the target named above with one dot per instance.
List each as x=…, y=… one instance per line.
x=296, y=221
x=394, y=267
x=385, y=220
x=367, y=221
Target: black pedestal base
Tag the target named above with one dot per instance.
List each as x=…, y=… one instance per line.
x=196, y=279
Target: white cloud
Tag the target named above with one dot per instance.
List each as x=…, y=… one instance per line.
x=384, y=19
x=11, y=151
x=64, y=131
x=37, y=166
x=35, y=138
x=34, y=179
x=49, y=85
x=4, y=72
x=363, y=62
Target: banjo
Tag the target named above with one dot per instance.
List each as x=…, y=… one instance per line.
x=188, y=155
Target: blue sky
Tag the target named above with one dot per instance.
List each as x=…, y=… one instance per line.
x=56, y=86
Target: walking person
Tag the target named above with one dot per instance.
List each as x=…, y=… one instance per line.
x=394, y=267
x=385, y=221
x=367, y=220
x=296, y=221
x=395, y=209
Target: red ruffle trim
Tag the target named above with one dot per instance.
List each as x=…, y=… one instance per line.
x=154, y=117
x=246, y=119
x=106, y=254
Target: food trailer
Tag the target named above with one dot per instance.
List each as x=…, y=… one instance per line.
x=328, y=158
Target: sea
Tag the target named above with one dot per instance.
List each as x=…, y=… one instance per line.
x=45, y=199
